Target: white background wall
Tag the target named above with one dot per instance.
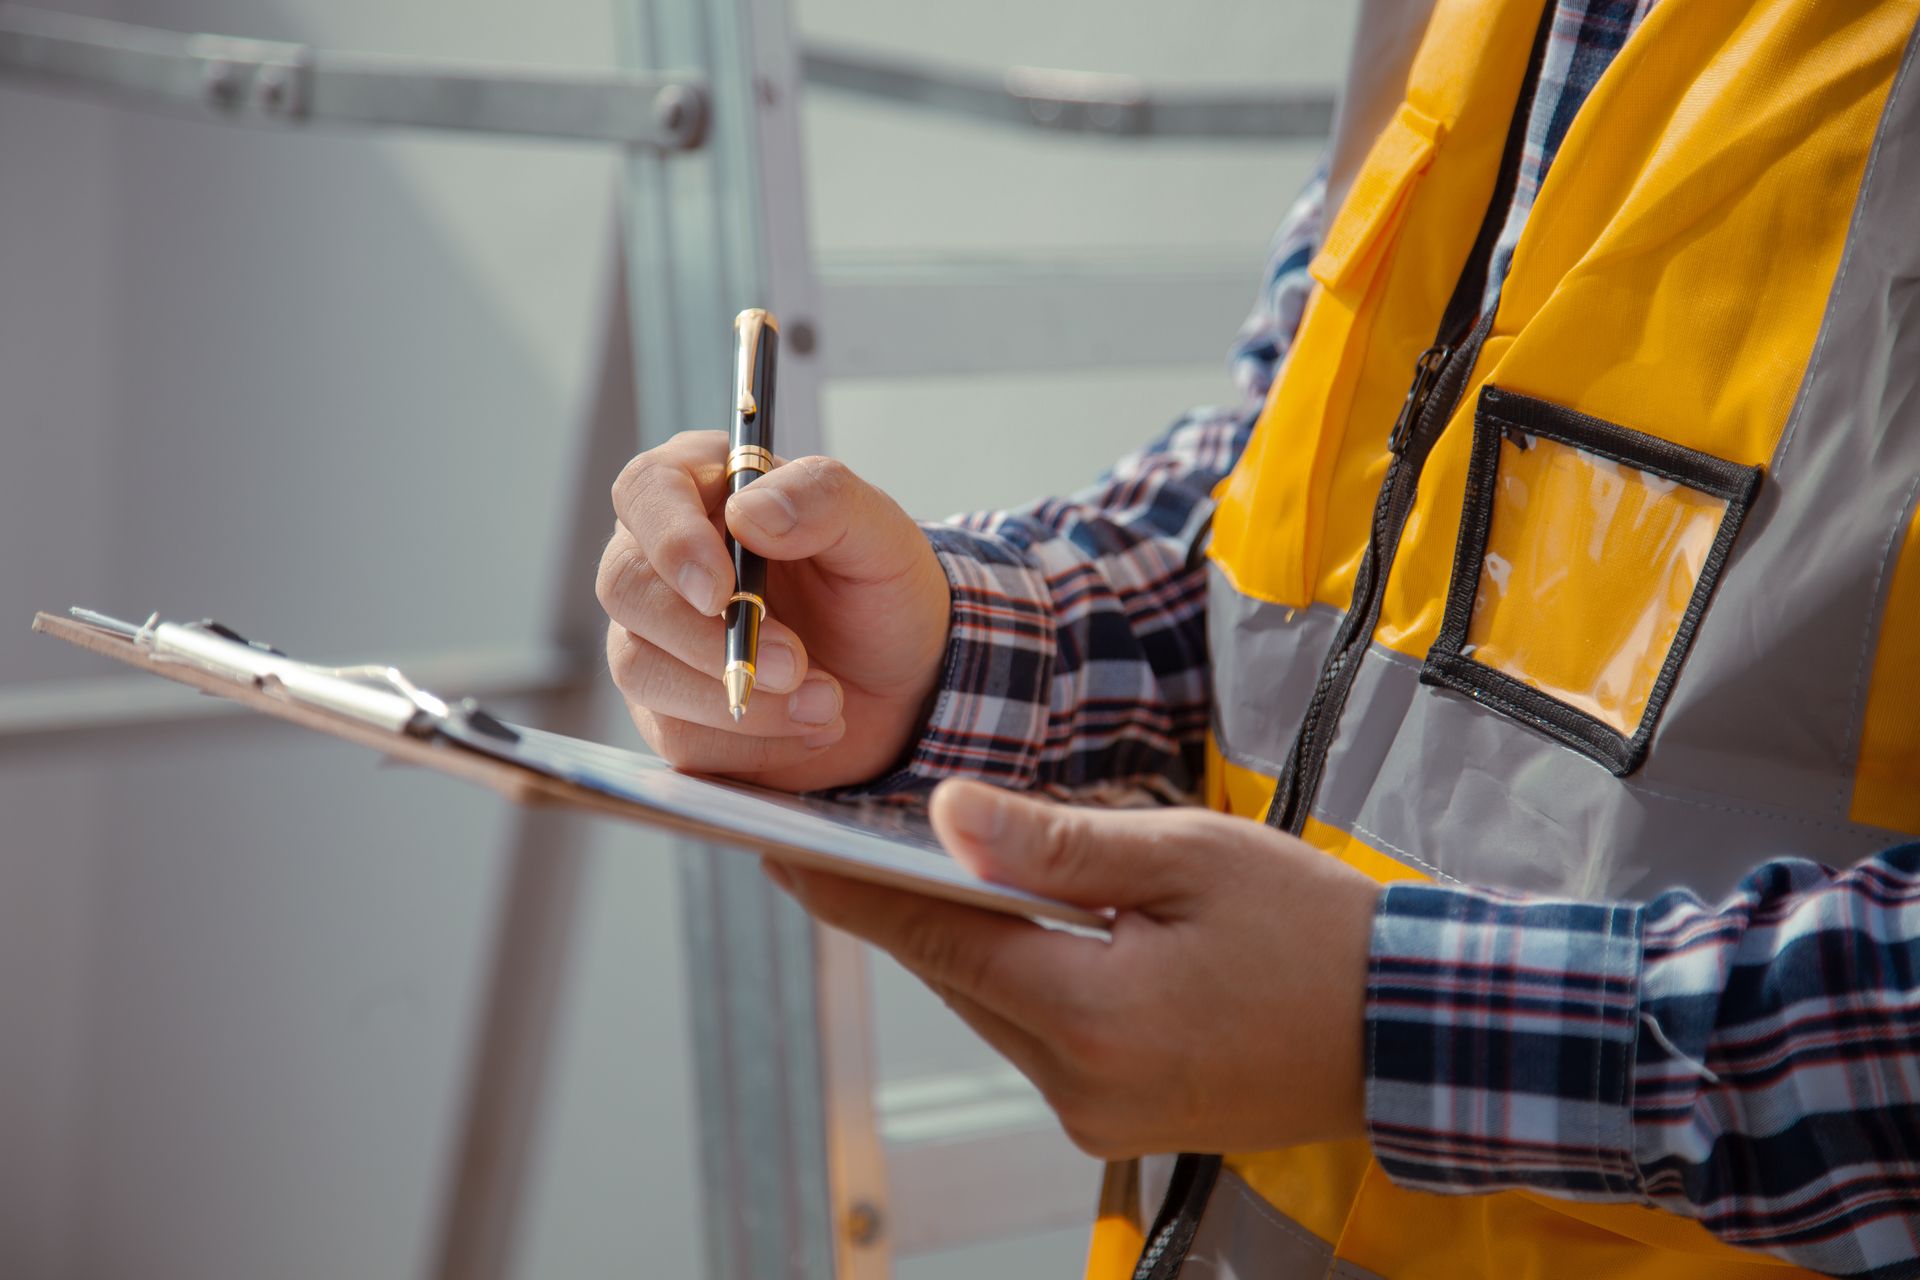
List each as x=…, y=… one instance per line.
x=269, y=378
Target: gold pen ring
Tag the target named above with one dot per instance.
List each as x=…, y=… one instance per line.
x=749, y=457
x=751, y=599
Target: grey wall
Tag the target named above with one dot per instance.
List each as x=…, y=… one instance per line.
x=264, y=377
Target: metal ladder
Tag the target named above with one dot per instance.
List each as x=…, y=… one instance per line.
x=794, y=1173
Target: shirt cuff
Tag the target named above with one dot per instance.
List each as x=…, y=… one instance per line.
x=1500, y=1042
x=988, y=717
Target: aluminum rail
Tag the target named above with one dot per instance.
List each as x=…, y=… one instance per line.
x=1076, y=101
x=286, y=83
x=893, y=317
x=280, y=83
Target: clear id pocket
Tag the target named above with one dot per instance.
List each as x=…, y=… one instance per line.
x=1587, y=555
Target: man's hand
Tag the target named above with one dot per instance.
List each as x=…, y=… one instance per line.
x=846, y=568
x=1224, y=1015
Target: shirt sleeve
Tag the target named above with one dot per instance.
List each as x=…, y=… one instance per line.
x=1076, y=662
x=1753, y=1065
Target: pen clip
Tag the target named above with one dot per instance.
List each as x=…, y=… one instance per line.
x=749, y=325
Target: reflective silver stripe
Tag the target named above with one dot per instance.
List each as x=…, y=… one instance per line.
x=1242, y=1237
x=1459, y=792
x=1780, y=665
x=1755, y=754
x=1431, y=778
x=1266, y=660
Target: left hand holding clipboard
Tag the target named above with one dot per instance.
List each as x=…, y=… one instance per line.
x=1226, y=1011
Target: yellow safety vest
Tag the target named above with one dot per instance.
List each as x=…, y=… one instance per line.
x=1622, y=593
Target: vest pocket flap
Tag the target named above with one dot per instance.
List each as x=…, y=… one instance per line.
x=1379, y=194
x=1587, y=556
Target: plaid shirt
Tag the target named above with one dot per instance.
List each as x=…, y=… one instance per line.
x=1748, y=1065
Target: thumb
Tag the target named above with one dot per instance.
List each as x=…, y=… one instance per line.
x=1090, y=857
x=817, y=508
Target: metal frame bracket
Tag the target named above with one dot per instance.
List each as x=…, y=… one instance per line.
x=281, y=83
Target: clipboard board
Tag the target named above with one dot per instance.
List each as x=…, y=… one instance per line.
x=377, y=707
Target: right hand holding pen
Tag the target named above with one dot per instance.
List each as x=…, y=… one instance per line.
x=846, y=568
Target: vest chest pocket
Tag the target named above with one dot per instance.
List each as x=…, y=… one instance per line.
x=1588, y=553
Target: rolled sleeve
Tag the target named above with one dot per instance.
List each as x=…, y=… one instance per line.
x=1500, y=1042
x=988, y=718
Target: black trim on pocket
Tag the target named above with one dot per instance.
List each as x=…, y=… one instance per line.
x=1447, y=665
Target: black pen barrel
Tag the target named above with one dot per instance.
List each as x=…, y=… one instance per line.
x=756, y=364
x=750, y=456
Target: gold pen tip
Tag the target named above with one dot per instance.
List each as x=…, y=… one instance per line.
x=739, y=681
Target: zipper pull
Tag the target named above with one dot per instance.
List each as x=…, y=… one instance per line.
x=1426, y=372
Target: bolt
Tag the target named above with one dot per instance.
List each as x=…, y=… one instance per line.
x=672, y=113
x=220, y=81
x=1045, y=110
x=801, y=338
x=863, y=1223
x=680, y=111
x=273, y=90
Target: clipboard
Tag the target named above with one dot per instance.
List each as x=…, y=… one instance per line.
x=377, y=707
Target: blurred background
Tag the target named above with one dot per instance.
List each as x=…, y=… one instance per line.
x=333, y=388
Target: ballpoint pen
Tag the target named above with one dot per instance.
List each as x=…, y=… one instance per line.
x=750, y=456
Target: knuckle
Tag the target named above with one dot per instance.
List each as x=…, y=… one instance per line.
x=1067, y=845
x=668, y=737
x=619, y=654
x=626, y=664
x=633, y=480
x=829, y=477
x=642, y=678
x=623, y=579
x=651, y=682
x=680, y=542
x=751, y=754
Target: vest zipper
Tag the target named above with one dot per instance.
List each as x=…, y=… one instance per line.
x=1440, y=377
x=1439, y=380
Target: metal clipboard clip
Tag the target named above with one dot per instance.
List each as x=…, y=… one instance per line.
x=373, y=694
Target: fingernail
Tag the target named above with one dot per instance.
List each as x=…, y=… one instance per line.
x=827, y=736
x=776, y=665
x=981, y=812
x=770, y=510
x=700, y=588
x=816, y=701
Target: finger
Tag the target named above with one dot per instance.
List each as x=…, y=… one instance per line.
x=663, y=498
x=1092, y=857
x=699, y=748
x=650, y=677
x=638, y=600
x=816, y=508
x=1012, y=968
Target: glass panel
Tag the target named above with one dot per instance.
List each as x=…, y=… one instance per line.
x=1589, y=568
